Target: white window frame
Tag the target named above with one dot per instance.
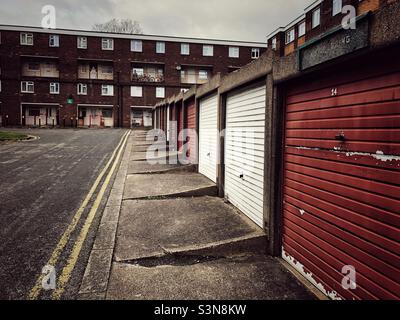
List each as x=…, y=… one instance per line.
x=255, y=53
x=136, y=45
x=54, y=88
x=160, y=92
x=81, y=42
x=160, y=47
x=185, y=49
x=25, y=87
x=26, y=39
x=302, y=28
x=290, y=36
x=274, y=43
x=54, y=40
x=203, y=74
x=136, y=94
x=82, y=89
x=337, y=6
x=107, y=44
x=316, y=22
x=107, y=90
x=234, y=52
x=208, y=50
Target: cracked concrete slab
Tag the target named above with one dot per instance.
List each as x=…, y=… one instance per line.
x=154, y=227
x=145, y=148
x=167, y=185
x=236, y=278
x=151, y=156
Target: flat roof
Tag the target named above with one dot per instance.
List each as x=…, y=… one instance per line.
x=132, y=36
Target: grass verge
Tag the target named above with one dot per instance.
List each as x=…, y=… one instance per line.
x=12, y=136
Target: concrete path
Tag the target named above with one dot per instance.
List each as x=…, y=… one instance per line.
x=167, y=236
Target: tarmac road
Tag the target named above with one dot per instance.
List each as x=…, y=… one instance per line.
x=42, y=185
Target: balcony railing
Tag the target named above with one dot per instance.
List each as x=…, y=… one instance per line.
x=147, y=77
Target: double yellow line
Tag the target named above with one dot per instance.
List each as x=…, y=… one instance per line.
x=74, y=255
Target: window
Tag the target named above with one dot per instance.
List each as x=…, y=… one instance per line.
x=160, y=47
x=27, y=87
x=290, y=35
x=233, y=52
x=302, y=29
x=138, y=71
x=106, y=113
x=203, y=74
x=336, y=7
x=82, y=42
x=26, y=39
x=136, y=91
x=274, y=43
x=316, y=18
x=185, y=49
x=255, y=53
x=34, y=66
x=136, y=45
x=107, y=90
x=107, y=44
x=82, y=89
x=54, y=88
x=54, y=40
x=208, y=51
x=33, y=112
x=160, y=92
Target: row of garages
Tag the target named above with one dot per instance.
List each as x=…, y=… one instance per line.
x=92, y=116
x=311, y=155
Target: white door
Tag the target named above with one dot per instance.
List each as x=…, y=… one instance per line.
x=244, y=151
x=208, y=139
x=147, y=119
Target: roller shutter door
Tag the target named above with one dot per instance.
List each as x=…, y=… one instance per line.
x=208, y=137
x=168, y=123
x=192, y=136
x=342, y=185
x=244, y=151
x=180, y=127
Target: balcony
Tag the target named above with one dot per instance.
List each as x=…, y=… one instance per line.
x=192, y=76
x=40, y=69
x=96, y=71
x=148, y=74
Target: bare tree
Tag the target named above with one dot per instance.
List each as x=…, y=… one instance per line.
x=119, y=26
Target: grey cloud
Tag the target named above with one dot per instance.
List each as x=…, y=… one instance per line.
x=222, y=19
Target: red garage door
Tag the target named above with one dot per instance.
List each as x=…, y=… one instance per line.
x=192, y=137
x=180, y=125
x=342, y=185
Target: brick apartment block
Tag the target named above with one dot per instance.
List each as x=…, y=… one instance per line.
x=85, y=78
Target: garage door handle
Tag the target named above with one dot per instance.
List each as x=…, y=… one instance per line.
x=209, y=154
x=241, y=176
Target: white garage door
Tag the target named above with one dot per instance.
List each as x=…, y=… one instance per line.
x=208, y=139
x=244, y=152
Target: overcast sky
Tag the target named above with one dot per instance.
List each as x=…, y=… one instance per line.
x=248, y=20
